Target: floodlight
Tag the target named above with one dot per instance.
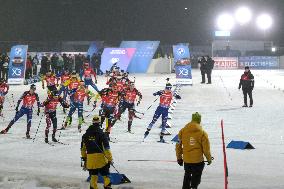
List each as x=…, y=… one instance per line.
x=243, y=15
x=225, y=22
x=273, y=49
x=264, y=21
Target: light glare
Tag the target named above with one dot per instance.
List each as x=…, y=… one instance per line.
x=243, y=15
x=264, y=21
x=225, y=22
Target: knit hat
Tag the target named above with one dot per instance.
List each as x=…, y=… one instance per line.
x=96, y=119
x=196, y=117
x=246, y=67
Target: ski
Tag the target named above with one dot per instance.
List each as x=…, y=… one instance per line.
x=130, y=132
x=58, y=142
x=27, y=138
x=51, y=144
x=162, y=142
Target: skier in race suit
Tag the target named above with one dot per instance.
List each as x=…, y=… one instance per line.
x=111, y=101
x=28, y=98
x=50, y=80
x=166, y=97
x=128, y=102
x=50, y=105
x=77, y=97
x=4, y=88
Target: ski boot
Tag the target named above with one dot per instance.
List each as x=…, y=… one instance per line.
x=28, y=135
x=245, y=106
x=53, y=138
x=4, y=131
x=162, y=140
x=79, y=129
x=129, y=126
x=147, y=133
x=46, y=139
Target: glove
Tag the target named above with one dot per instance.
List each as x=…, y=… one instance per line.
x=178, y=97
x=138, y=103
x=17, y=109
x=180, y=162
x=96, y=81
x=109, y=163
x=95, y=104
x=154, y=94
x=38, y=111
x=209, y=162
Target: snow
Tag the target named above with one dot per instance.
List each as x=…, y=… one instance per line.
x=25, y=164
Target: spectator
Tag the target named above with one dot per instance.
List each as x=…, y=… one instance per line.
x=193, y=144
x=209, y=67
x=29, y=66
x=5, y=68
x=60, y=65
x=35, y=62
x=247, y=85
x=53, y=62
x=202, y=63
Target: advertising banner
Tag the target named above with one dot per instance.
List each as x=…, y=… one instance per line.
x=259, y=62
x=95, y=46
x=226, y=63
x=17, y=65
x=120, y=56
x=145, y=51
x=182, y=64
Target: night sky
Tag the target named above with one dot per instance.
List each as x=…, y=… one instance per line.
x=116, y=20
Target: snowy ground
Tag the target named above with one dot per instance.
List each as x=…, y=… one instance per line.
x=28, y=165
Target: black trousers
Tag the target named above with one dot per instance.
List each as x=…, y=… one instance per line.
x=208, y=72
x=249, y=93
x=192, y=175
x=203, y=76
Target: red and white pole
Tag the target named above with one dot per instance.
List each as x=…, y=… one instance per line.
x=225, y=157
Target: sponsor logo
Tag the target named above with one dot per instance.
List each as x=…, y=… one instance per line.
x=114, y=60
x=181, y=51
x=16, y=72
x=118, y=52
x=183, y=72
x=18, y=51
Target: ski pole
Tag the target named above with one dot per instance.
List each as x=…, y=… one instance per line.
x=111, y=163
x=38, y=126
x=63, y=122
x=138, y=112
x=13, y=100
x=152, y=104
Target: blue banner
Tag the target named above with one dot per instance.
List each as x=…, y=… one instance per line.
x=95, y=47
x=259, y=62
x=145, y=50
x=182, y=64
x=17, y=65
x=121, y=57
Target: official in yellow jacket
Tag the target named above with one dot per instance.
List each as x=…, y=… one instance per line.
x=96, y=154
x=193, y=145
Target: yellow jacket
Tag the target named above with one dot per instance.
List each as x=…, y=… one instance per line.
x=193, y=143
x=95, y=149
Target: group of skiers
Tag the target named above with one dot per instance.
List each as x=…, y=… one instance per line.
x=119, y=95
